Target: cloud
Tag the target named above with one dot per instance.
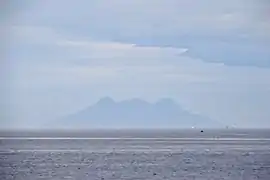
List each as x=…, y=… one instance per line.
x=32, y=34
x=100, y=60
x=211, y=34
x=126, y=70
x=204, y=54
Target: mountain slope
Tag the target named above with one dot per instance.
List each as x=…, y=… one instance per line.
x=134, y=113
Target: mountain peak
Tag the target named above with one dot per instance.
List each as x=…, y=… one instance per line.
x=136, y=113
x=106, y=100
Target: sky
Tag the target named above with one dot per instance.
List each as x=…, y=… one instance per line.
x=211, y=56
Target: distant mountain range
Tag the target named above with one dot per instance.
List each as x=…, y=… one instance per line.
x=134, y=113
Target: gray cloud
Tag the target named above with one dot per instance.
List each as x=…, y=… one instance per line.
x=238, y=27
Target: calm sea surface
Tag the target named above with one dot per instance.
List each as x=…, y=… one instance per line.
x=136, y=154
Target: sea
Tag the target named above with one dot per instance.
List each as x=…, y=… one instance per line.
x=195, y=154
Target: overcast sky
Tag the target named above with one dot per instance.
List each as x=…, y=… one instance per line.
x=59, y=56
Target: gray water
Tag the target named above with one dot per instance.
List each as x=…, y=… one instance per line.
x=113, y=155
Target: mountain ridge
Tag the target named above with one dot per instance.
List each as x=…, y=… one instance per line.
x=135, y=113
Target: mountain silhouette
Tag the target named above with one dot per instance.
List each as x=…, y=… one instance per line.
x=135, y=113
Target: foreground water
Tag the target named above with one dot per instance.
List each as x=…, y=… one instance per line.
x=220, y=154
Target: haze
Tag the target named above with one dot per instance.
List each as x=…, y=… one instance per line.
x=212, y=57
